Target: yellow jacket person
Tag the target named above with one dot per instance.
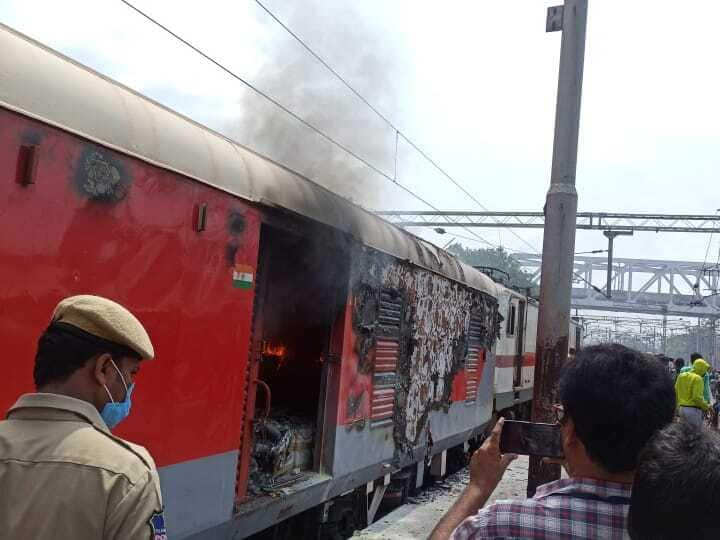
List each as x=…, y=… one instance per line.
x=689, y=392
x=63, y=474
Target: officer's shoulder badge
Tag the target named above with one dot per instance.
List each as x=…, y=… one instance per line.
x=157, y=526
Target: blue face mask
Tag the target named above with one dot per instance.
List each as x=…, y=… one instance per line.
x=115, y=412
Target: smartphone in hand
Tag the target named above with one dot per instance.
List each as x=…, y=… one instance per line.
x=532, y=439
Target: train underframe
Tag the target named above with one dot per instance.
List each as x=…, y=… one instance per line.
x=340, y=517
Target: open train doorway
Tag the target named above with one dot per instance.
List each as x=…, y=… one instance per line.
x=302, y=289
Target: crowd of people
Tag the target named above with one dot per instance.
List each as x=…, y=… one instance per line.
x=640, y=461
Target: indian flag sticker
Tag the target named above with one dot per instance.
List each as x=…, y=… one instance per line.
x=243, y=277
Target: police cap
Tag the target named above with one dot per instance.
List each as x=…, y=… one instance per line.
x=105, y=319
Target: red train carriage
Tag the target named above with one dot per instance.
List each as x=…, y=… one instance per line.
x=308, y=353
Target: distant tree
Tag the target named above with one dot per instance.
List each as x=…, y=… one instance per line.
x=679, y=346
x=694, y=339
x=500, y=259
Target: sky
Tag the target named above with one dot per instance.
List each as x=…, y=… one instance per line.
x=473, y=83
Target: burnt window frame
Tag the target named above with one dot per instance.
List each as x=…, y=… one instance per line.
x=389, y=333
x=474, y=344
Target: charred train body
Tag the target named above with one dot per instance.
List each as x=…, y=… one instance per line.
x=314, y=361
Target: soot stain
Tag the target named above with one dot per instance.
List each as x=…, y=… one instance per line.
x=31, y=137
x=354, y=402
x=100, y=176
x=230, y=252
x=236, y=222
x=365, y=312
x=429, y=304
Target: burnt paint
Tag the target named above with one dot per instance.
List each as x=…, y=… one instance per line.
x=365, y=315
x=354, y=402
x=433, y=335
x=235, y=226
x=236, y=222
x=231, y=250
x=100, y=176
x=31, y=137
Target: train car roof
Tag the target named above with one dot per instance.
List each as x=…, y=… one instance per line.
x=46, y=85
x=502, y=290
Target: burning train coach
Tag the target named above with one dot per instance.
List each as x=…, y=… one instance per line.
x=313, y=361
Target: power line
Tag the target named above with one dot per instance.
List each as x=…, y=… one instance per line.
x=257, y=90
x=497, y=246
x=289, y=111
x=487, y=242
x=477, y=239
x=326, y=65
x=465, y=191
x=398, y=132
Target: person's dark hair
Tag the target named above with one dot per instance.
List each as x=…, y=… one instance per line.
x=694, y=356
x=617, y=398
x=63, y=349
x=676, y=492
x=679, y=363
x=667, y=362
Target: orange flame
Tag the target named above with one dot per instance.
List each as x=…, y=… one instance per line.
x=274, y=350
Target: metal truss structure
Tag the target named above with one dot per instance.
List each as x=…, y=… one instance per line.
x=603, y=221
x=656, y=287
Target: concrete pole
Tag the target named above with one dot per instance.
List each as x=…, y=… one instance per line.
x=559, y=234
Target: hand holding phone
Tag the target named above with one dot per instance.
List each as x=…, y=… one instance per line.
x=488, y=464
x=531, y=439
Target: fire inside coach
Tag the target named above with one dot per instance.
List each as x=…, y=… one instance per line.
x=314, y=362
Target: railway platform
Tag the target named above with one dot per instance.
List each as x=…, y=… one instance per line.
x=417, y=518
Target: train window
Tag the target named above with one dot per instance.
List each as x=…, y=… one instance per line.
x=510, y=328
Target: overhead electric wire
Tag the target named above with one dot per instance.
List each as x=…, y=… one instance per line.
x=398, y=131
x=290, y=112
x=325, y=64
x=497, y=246
x=256, y=89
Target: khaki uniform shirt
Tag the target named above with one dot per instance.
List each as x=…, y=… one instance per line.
x=64, y=476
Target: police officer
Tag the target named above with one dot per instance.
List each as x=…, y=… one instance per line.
x=63, y=474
